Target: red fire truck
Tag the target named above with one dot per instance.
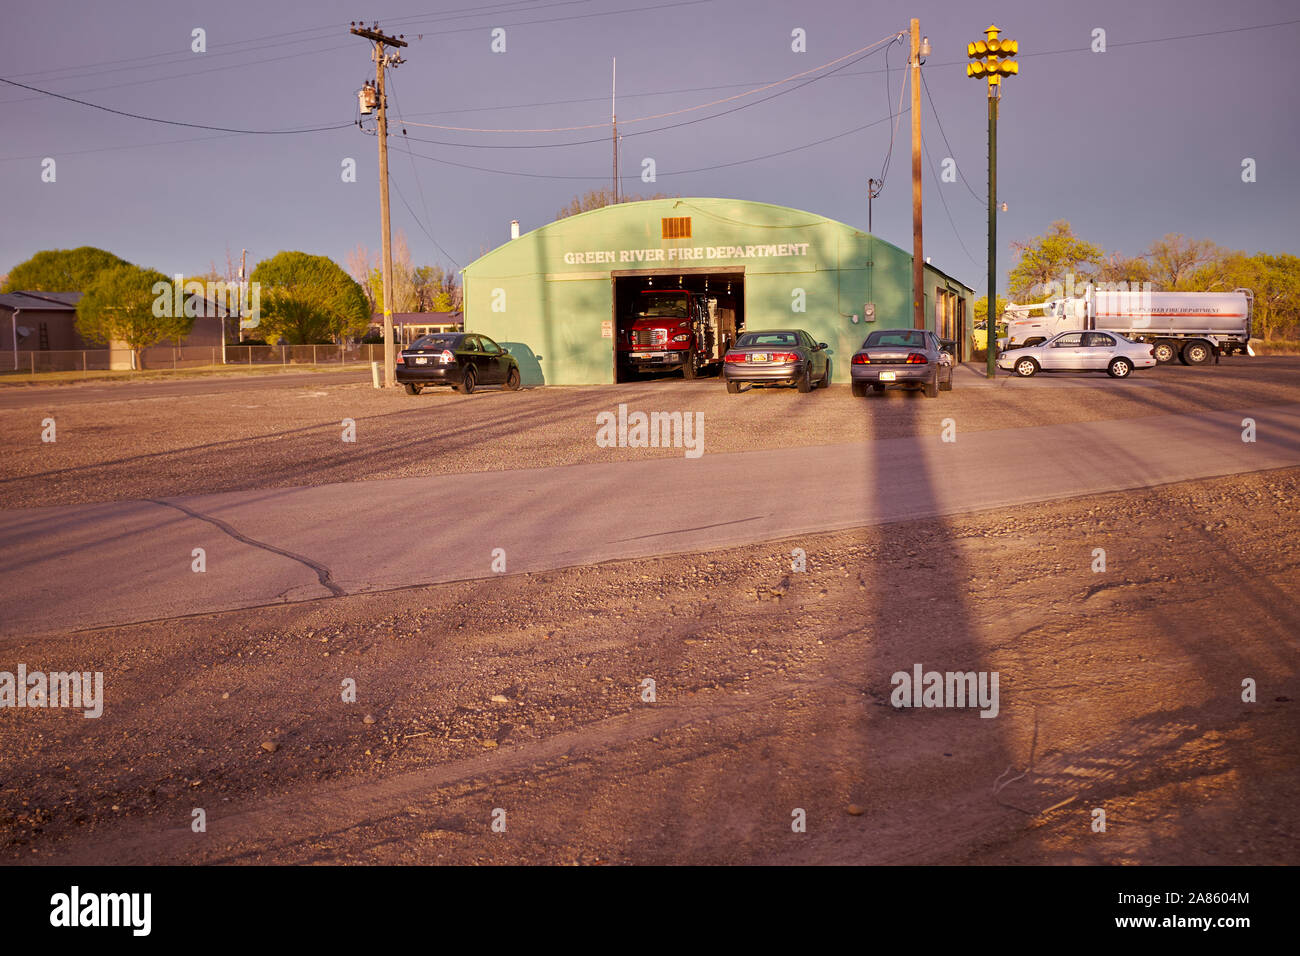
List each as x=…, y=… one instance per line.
x=669, y=329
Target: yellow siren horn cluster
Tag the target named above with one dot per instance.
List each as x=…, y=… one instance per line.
x=992, y=58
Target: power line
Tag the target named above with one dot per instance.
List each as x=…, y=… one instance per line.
x=926, y=86
x=644, y=132
x=258, y=62
x=889, y=104
x=109, y=149
x=418, y=185
x=689, y=109
x=154, y=119
x=938, y=186
x=325, y=31
x=680, y=172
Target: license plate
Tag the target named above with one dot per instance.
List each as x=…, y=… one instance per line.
x=888, y=376
x=758, y=356
x=652, y=355
x=421, y=360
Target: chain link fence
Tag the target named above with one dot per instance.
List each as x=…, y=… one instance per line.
x=163, y=358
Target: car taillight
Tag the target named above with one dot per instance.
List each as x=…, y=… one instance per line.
x=1152, y=351
x=916, y=358
x=685, y=337
x=400, y=359
x=783, y=357
x=446, y=358
x=861, y=360
x=734, y=357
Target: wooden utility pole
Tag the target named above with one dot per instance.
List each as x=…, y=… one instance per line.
x=918, y=255
x=383, y=60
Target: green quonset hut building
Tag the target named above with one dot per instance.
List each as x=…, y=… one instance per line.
x=555, y=296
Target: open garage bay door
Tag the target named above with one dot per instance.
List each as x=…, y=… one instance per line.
x=675, y=322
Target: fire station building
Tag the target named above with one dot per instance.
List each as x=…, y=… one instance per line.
x=557, y=297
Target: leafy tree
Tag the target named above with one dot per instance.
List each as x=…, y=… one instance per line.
x=1275, y=282
x=1046, y=262
x=437, y=289
x=61, y=270
x=124, y=304
x=981, y=309
x=598, y=198
x=298, y=319
x=315, y=279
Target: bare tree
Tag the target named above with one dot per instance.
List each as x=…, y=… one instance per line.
x=1175, y=259
x=598, y=198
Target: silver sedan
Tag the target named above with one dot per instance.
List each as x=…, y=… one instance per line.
x=907, y=358
x=1092, y=351
x=777, y=357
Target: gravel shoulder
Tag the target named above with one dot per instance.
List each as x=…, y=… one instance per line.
x=1119, y=690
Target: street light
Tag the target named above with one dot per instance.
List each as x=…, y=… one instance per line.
x=992, y=61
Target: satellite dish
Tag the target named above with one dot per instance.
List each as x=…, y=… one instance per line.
x=23, y=331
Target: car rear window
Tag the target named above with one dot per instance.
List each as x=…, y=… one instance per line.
x=436, y=342
x=884, y=339
x=751, y=339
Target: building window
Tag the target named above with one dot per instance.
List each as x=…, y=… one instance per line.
x=676, y=228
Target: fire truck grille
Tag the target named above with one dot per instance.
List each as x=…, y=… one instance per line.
x=649, y=336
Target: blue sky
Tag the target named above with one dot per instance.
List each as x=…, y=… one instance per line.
x=1144, y=139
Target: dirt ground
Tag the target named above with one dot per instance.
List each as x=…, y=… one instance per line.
x=1120, y=690
x=253, y=436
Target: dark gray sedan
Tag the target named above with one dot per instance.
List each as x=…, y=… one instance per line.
x=778, y=357
x=909, y=358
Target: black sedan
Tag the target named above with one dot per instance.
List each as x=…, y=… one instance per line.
x=463, y=360
x=780, y=357
x=910, y=358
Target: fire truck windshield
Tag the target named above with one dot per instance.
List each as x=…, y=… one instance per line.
x=668, y=305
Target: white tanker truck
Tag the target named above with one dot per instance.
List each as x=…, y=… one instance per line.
x=1187, y=326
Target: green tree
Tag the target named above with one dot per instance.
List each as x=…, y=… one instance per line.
x=1046, y=262
x=298, y=319
x=437, y=289
x=127, y=304
x=61, y=270
x=315, y=279
x=1275, y=283
x=981, y=309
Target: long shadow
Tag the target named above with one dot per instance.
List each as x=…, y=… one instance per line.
x=919, y=765
x=501, y=425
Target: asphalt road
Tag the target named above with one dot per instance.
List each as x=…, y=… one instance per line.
x=116, y=562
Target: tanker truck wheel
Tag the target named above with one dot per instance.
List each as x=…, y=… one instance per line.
x=689, y=370
x=1197, y=353
x=1165, y=351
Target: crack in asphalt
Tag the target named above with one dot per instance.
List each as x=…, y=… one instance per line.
x=703, y=527
x=322, y=572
